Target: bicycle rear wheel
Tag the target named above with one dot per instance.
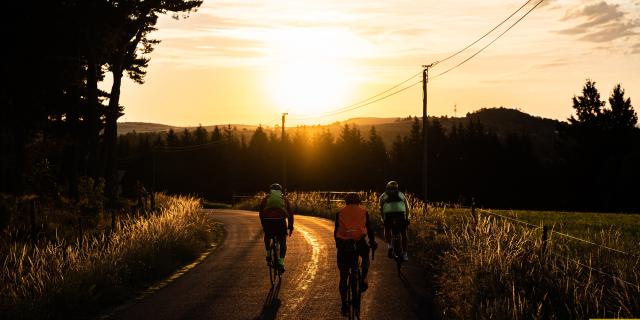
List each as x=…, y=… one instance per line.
x=355, y=294
x=273, y=268
x=397, y=252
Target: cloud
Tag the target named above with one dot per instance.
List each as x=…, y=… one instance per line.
x=635, y=49
x=600, y=22
x=553, y=64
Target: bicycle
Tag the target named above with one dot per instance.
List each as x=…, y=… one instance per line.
x=396, y=242
x=354, y=289
x=274, y=251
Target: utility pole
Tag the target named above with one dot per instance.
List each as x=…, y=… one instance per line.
x=425, y=129
x=284, y=154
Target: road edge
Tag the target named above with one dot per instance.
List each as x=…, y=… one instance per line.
x=158, y=285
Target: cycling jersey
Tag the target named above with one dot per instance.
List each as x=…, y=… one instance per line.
x=276, y=206
x=352, y=223
x=391, y=203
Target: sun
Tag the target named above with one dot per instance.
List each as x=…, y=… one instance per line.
x=308, y=72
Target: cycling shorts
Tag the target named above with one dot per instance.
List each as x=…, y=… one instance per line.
x=274, y=227
x=346, y=252
x=395, y=221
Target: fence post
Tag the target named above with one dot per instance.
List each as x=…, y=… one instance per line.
x=543, y=246
x=328, y=201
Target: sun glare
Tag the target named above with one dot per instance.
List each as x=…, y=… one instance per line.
x=309, y=71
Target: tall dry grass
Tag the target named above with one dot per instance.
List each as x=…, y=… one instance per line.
x=493, y=268
x=56, y=279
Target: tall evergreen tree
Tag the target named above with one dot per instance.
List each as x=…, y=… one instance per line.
x=588, y=106
x=200, y=135
x=621, y=115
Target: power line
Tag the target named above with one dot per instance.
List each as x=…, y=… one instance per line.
x=186, y=148
x=483, y=36
x=369, y=100
x=362, y=101
x=354, y=107
x=490, y=43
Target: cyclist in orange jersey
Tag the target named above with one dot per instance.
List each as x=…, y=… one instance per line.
x=352, y=223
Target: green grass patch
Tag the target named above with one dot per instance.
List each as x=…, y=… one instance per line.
x=586, y=225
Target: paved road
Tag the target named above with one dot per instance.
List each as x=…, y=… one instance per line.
x=232, y=283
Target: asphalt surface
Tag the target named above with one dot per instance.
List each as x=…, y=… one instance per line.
x=233, y=282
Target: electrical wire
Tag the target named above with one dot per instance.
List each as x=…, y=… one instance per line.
x=483, y=36
x=490, y=43
x=362, y=101
x=339, y=111
x=186, y=148
x=369, y=100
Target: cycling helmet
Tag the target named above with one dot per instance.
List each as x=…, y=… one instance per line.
x=352, y=198
x=275, y=186
x=392, y=186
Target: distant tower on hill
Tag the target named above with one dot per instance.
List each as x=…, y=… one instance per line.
x=455, y=110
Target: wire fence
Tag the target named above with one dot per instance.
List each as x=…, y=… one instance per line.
x=562, y=234
x=565, y=236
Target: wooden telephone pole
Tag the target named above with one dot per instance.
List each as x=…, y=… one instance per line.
x=425, y=129
x=284, y=154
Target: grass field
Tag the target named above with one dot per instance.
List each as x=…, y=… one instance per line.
x=586, y=225
x=60, y=279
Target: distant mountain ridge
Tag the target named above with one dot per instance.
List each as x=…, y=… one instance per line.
x=498, y=119
x=502, y=121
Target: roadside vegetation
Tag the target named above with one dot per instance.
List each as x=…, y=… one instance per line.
x=74, y=278
x=485, y=266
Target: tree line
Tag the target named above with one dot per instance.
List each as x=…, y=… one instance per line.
x=593, y=165
x=58, y=128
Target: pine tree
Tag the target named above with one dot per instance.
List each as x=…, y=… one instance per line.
x=187, y=137
x=172, y=139
x=588, y=106
x=200, y=135
x=621, y=116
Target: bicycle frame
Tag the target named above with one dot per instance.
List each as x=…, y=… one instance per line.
x=274, y=271
x=354, y=293
x=396, y=241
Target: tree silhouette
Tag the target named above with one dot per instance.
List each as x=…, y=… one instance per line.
x=135, y=20
x=621, y=115
x=588, y=106
x=200, y=135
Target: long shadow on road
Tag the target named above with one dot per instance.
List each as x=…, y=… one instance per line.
x=271, y=303
x=422, y=307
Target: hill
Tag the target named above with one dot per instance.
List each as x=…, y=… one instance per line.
x=502, y=121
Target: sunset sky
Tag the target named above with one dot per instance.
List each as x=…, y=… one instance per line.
x=248, y=61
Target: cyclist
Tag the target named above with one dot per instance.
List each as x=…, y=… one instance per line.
x=275, y=215
x=394, y=206
x=352, y=223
